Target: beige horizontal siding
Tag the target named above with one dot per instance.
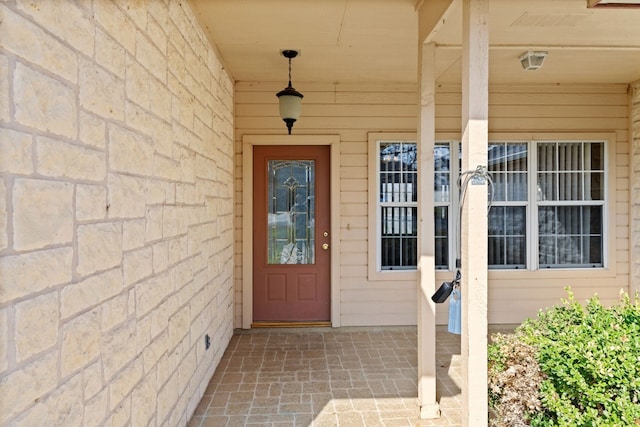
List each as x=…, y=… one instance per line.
x=353, y=111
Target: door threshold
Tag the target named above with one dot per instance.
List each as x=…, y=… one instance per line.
x=256, y=325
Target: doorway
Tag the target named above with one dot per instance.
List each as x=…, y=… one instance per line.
x=291, y=235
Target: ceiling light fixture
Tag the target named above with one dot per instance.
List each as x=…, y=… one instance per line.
x=613, y=3
x=290, y=100
x=532, y=60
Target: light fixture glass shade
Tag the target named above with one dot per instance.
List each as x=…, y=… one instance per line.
x=290, y=101
x=532, y=61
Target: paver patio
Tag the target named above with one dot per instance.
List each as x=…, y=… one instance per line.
x=328, y=377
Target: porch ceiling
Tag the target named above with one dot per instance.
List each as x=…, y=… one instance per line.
x=375, y=41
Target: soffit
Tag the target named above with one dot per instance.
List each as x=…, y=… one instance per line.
x=375, y=41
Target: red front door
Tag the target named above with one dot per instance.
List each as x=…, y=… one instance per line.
x=291, y=225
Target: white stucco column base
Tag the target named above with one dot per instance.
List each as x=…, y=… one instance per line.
x=430, y=411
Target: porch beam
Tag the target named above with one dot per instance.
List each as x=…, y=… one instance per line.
x=475, y=115
x=429, y=407
x=431, y=17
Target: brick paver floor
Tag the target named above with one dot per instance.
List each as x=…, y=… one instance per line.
x=327, y=377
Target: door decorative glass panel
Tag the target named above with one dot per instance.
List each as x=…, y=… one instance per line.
x=291, y=207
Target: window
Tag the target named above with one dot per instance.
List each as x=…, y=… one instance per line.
x=397, y=205
x=443, y=194
x=570, y=195
x=507, y=222
x=561, y=186
x=548, y=208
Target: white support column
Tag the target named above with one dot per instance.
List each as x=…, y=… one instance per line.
x=429, y=407
x=475, y=114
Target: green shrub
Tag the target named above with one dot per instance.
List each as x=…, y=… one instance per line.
x=588, y=361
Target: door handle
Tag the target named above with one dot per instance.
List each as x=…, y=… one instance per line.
x=325, y=246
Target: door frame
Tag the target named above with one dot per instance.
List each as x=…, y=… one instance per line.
x=248, y=142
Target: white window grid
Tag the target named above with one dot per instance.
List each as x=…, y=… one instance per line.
x=531, y=205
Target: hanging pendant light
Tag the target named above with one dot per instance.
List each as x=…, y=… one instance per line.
x=290, y=100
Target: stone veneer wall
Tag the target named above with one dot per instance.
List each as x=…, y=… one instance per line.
x=634, y=114
x=116, y=128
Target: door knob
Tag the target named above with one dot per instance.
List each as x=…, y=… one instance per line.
x=325, y=246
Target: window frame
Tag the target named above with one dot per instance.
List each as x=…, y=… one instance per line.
x=375, y=271
x=608, y=267
x=532, y=270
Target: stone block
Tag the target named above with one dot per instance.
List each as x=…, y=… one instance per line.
x=124, y=382
x=143, y=399
x=167, y=397
x=136, y=11
x=182, y=274
x=43, y=103
x=88, y=293
x=160, y=257
x=17, y=152
x=118, y=349
x=116, y=24
x=160, y=100
x=95, y=409
x=154, y=223
x=120, y=416
x=4, y=340
x=137, y=83
x=57, y=158
x=63, y=407
x=175, y=63
x=150, y=293
x=22, y=387
x=170, y=192
x=101, y=92
x=36, y=325
x=143, y=335
x=140, y=119
x=156, y=29
x=179, y=324
x=160, y=13
x=4, y=217
x=156, y=193
x=91, y=202
x=99, y=247
x=34, y=272
x=80, y=342
x=126, y=196
x=21, y=37
x=151, y=58
x=137, y=265
x=92, y=130
x=42, y=213
x=155, y=350
x=5, y=114
x=131, y=303
x=174, y=223
x=129, y=152
x=187, y=161
x=175, y=251
x=162, y=134
x=49, y=15
x=92, y=380
x=110, y=54
x=133, y=234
